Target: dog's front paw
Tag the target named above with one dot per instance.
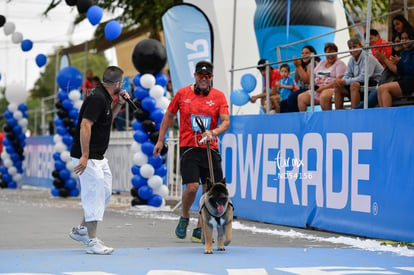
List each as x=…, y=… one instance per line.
x=208, y=251
x=221, y=249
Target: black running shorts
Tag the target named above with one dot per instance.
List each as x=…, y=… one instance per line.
x=194, y=165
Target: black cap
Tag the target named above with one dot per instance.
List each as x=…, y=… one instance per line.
x=204, y=67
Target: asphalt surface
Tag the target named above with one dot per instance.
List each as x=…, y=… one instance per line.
x=34, y=240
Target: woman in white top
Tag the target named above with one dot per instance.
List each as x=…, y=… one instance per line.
x=325, y=73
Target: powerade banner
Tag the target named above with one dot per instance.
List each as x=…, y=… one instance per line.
x=345, y=171
x=285, y=21
x=188, y=39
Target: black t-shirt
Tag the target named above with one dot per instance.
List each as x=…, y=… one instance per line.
x=97, y=108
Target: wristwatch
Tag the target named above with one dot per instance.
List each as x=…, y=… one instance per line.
x=214, y=133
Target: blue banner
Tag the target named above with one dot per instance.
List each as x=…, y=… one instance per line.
x=342, y=171
x=188, y=39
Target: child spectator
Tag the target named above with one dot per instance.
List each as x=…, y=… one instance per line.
x=354, y=76
x=375, y=40
x=285, y=88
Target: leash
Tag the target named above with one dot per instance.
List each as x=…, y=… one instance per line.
x=210, y=162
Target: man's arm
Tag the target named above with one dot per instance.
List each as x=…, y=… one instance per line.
x=165, y=124
x=85, y=138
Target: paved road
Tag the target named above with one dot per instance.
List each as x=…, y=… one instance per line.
x=34, y=239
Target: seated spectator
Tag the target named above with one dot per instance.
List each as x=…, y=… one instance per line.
x=402, y=66
x=302, y=75
x=274, y=76
x=375, y=40
x=399, y=24
x=95, y=81
x=87, y=84
x=350, y=85
x=284, y=89
x=325, y=74
x=396, y=49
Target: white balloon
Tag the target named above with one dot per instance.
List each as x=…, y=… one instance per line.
x=12, y=107
x=60, y=147
x=78, y=104
x=23, y=122
x=7, y=163
x=9, y=28
x=147, y=81
x=17, y=115
x=65, y=156
x=162, y=102
x=146, y=170
x=69, y=165
x=162, y=191
x=12, y=171
x=140, y=158
x=17, y=37
x=74, y=95
x=157, y=91
x=136, y=147
x=57, y=138
x=17, y=178
x=16, y=93
x=4, y=155
x=155, y=182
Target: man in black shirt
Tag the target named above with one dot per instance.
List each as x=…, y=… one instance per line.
x=89, y=146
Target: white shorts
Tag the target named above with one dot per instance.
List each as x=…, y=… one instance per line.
x=96, y=188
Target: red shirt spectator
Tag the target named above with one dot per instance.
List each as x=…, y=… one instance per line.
x=376, y=40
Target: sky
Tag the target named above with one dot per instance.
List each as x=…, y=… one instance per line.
x=46, y=33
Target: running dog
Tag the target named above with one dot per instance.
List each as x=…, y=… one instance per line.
x=216, y=210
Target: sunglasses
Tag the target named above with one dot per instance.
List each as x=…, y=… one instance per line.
x=206, y=76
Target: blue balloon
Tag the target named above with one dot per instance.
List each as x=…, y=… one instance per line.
x=41, y=60
x=12, y=185
x=73, y=113
x=8, y=115
x=62, y=95
x=12, y=122
x=67, y=104
x=239, y=97
x=248, y=82
x=26, y=45
x=147, y=148
x=161, y=171
x=141, y=93
x=64, y=174
x=94, y=15
x=15, y=157
x=137, y=80
x=136, y=125
x=148, y=103
x=135, y=169
x=161, y=79
x=59, y=165
x=157, y=114
x=69, y=78
x=6, y=178
x=138, y=181
x=58, y=122
x=140, y=136
x=112, y=30
x=61, y=130
x=155, y=200
x=10, y=149
x=55, y=192
x=155, y=162
x=70, y=183
x=56, y=156
x=67, y=140
x=145, y=192
x=22, y=107
x=74, y=192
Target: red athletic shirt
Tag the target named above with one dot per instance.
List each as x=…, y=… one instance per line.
x=190, y=105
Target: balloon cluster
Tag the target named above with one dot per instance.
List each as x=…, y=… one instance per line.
x=67, y=105
x=241, y=96
x=15, y=138
x=149, y=172
x=94, y=13
x=26, y=45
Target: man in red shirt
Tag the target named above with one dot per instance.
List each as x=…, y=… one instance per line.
x=210, y=104
x=376, y=40
x=274, y=76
